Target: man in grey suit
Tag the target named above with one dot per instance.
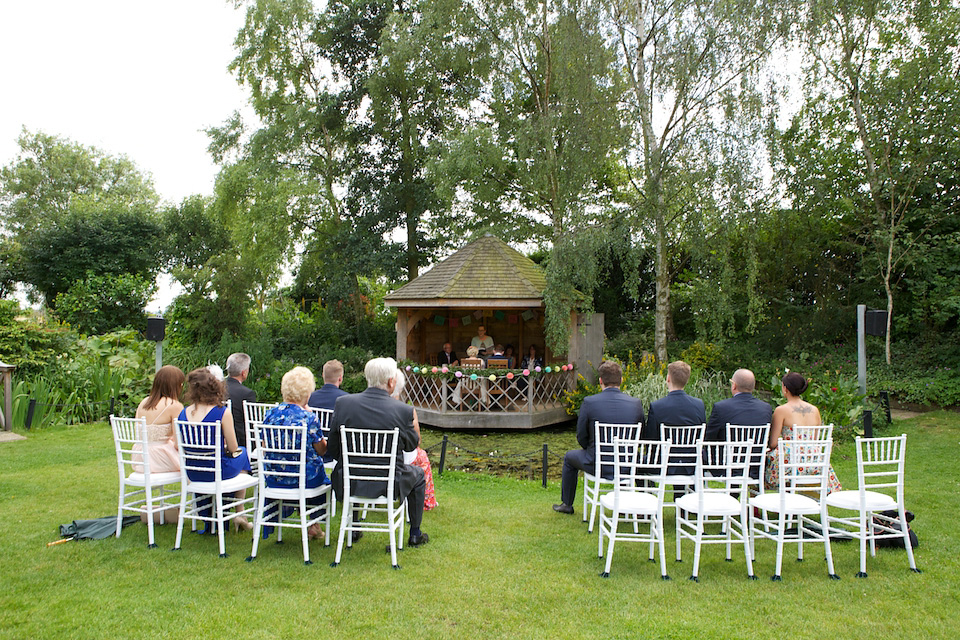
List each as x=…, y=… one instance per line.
x=238, y=368
x=676, y=408
x=374, y=409
x=742, y=408
x=610, y=405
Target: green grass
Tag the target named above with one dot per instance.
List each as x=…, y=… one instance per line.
x=500, y=563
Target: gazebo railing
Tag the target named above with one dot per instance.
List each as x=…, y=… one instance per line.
x=518, y=393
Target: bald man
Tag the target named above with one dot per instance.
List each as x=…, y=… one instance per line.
x=742, y=408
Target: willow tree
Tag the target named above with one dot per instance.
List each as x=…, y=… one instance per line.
x=690, y=65
x=534, y=164
x=894, y=66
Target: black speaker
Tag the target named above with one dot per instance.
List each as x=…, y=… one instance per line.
x=156, y=329
x=875, y=323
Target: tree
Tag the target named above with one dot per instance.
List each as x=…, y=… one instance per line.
x=895, y=66
x=101, y=303
x=99, y=242
x=534, y=163
x=51, y=174
x=690, y=67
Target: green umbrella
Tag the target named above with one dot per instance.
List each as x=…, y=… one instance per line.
x=94, y=529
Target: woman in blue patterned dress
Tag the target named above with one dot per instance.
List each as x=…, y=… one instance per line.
x=296, y=387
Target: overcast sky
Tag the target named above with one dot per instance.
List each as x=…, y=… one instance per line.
x=142, y=79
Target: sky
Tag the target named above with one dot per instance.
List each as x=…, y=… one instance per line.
x=134, y=78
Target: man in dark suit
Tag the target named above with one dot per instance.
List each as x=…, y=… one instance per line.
x=448, y=356
x=374, y=409
x=676, y=408
x=610, y=405
x=742, y=408
x=326, y=396
x=238, y=368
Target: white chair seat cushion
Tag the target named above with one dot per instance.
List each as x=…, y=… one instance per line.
x=292, y=493
x=631, y=502
x=716, y=504
x=242, y=481
x=140, y=480
x=793, y=503
x=875, y=501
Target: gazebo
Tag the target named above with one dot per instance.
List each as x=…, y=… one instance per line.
x=491, y=284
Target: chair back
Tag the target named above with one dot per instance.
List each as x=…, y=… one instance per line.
x=637, y=463
x=200, y=445
x=880, y=464
x=253, y=413
x=722, y=466
x=323, y=416
x=604, y=434
x=497, y=363
x=817, y=432
x=804, y=466
x=369, y=456
x=683, y=441
x=283, y=453
x=127, y=433
x=471, y=363
x=760, y=436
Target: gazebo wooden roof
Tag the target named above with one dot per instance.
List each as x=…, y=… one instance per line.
x=485, y=273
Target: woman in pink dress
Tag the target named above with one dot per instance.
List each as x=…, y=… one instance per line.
x=419, y=456
x=160, y=409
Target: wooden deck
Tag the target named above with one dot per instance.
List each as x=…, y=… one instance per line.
x=502, y=403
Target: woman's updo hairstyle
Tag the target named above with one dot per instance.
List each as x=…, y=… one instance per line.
x=795, y=383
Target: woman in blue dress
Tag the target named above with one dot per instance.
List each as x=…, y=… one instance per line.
x=207, y=397
x=296, y=387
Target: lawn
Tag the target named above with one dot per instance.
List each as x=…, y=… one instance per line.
x=500, y=563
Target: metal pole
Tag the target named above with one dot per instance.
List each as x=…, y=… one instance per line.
x=30, y=409
x=544, y=465
x=885, y=403
x=113, y=400
x=443, y=454
x=159, y=358
x=862, y=348
x=868, y=423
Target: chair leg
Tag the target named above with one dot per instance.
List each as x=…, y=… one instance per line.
x=183, y=509
x=148, y=493
x=696, y=549
x=120, y=509
x=864, y=534
x=614, y=522
x=221, y=521
x=663, y=557
x=781, y=534
x=303, y=530
x=344, y=525
x=906, y=538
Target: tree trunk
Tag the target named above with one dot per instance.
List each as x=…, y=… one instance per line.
x=662, y=312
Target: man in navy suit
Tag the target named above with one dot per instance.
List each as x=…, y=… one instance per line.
x=326, y=396
x=676, y=408
x=610, y=405
x=742, y=408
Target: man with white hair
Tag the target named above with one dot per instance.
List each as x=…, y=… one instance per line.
x=374, y=409
x=238, y=368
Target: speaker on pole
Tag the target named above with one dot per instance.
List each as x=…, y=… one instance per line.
x=156, y=329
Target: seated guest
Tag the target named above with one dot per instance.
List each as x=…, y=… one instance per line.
x=498, y=354
x=160, y=409
x=238, y=368
x=296, y=387
x=610, y=405
x=375, y=409
x=207, y=397
x=326, y=396
x=676, y=408
x=418, y=457
x=508, y=354
x=447, y=356
x=482, y=341
x=531, y=360
x=795, y=412
x=742, y=409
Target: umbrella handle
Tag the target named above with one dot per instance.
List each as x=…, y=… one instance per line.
x=61, y=541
